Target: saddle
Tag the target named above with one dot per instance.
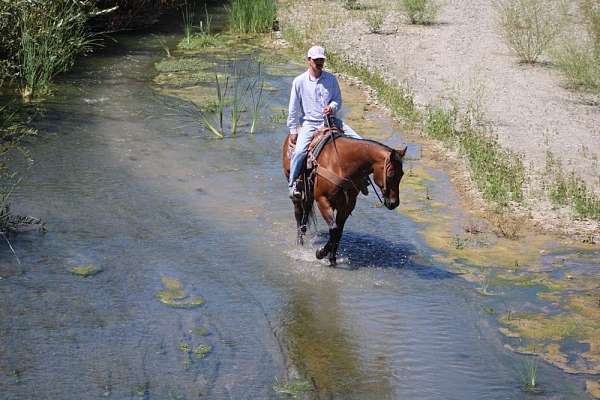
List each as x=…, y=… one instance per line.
x=321, y=138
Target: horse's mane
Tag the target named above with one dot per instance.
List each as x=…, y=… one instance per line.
x=371, y=142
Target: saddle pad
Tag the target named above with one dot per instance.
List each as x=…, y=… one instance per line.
x=319, y=144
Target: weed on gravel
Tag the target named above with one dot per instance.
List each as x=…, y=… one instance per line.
x=529, y=26
x=570, y=190
x=420, y=12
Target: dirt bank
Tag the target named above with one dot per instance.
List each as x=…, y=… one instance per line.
x=463, y=57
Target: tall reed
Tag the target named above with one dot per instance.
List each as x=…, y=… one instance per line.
x=256, y=93
x=188, y=16
x=52, y=34
x=241, y=91
x=252, y=16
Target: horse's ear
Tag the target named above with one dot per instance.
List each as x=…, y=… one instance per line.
x=403, y=151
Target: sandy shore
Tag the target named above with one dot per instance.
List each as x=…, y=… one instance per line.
x=463, y=57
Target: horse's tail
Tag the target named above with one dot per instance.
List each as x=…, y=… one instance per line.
x=308, y=203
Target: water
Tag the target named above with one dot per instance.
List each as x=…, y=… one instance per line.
x=125, y=182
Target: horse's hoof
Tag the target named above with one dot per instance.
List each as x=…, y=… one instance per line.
x=321, y=253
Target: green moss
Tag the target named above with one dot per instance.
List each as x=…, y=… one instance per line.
x=201, y=350
x=292, y=388
x=85, y=270
x=188, y=78
x=170, y=283
x=174, y=296
x=200, y=41
x=198, y=351
x=181, y=64
x=170, y=299
x=543, y=327
x=201, y=331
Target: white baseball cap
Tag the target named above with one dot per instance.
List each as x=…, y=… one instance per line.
x=316, y=52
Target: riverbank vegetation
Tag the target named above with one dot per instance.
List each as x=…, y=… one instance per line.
x=252, y=16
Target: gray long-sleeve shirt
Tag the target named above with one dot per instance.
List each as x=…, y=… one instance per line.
x=309, y=97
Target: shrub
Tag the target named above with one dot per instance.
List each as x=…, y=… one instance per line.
x=353, y=5
x=252, y=16
x=375, y=21
x=529, y=26
x=420, y=12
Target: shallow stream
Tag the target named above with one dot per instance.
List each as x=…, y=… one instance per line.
x=130, y=183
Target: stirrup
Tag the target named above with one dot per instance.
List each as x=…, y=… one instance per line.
x=294, y=193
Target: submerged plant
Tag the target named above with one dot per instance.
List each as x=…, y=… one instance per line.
x=293, y=388
x=529, y=373
x=234, y=97
x=256, y=92
x=85, y=270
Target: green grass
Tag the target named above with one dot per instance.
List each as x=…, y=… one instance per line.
x=52, y=36
x=420, y=12
x=498, y=173
x=252, y=16
x=570, y=190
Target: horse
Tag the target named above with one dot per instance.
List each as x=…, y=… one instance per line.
x=340, y=169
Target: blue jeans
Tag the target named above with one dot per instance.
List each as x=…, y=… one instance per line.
x=305, y=135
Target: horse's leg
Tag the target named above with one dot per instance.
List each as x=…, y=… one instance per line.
x=327, y=213
x=340, y=220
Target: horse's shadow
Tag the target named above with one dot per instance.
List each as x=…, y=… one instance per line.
x=363, y=250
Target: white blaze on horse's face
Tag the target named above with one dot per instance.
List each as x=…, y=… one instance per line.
x=393, y=174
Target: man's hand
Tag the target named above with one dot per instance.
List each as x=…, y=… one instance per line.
x=328, y=110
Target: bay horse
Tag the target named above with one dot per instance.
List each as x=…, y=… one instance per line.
x=340, y=169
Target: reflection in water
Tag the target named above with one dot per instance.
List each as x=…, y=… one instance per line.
x=319, y=345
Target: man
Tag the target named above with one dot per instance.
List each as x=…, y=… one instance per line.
x=315, y=94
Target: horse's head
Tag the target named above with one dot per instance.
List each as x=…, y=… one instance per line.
x=389, y=178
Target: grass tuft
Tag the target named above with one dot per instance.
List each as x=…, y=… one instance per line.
x=375, y=21
x=420, y=12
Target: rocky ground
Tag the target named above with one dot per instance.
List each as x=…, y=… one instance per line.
x=463, y=57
